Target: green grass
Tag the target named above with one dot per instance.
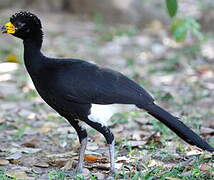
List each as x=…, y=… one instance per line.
x=31, y=94
x=19, y=133
x=57, y=175
x=3, y=175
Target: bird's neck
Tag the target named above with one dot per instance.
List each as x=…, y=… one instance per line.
x=35, y=40
x=32, y=54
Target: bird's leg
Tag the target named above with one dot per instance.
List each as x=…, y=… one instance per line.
x=82, y=134
x=80, y=163
x=112, y=157
x=109, y=138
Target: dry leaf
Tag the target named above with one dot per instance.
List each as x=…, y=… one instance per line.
x=193, y=152
x=153, y=163
x=171, y=178
x=68, y=165
x=205, y=71
x=4, y=162
x=17, y=174
x=205, y=131
x=90, y=158
x=47, y=127
x=99, y=175
x=2, y=121
x=42, y=165
x=12, y=58
x=15, y=161
x=14, y=156
x=138, y=135
x=69, y=154
x=122, y=159
x=31, y=144
x=85, y=172
x=154, y=138
x=58, y=162
x=205, y=167
x=107, y=166
x=134, y=144
x=30, y=150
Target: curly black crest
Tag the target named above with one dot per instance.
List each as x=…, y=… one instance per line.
x=26, y=16
x=28, y=27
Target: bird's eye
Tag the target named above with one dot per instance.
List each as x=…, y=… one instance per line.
x=20, y=25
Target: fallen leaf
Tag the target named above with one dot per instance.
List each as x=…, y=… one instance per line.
x=85, y=172
x=42, y=165
x=99, y=175
x=205, y=167
x=30, y=150
x=2, y=121
x=4, y=162
x=47, y=127
x=205, y=131
x=153, y=163
x=122, y=159
x=37, y=170
x=138, y=135
x=17, y=174
x=154, y=138
x=107, y=166
x=92, y=147
x=69, y=154
x=193, y=152
x=68, y=165
x=90, y=158
x=134, y=144
x=93, y=153
x=12, y=58
x=205, y=71
x=32, y=143
x=58, y=163
x=186, y=173
x=104, y=167
x=171, y=178
x=14, y=156
x=15, y=161
x=24, y=113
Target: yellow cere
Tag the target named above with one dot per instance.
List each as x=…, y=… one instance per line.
x=10, y=28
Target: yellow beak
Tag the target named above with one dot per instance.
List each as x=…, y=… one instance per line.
x=8, y=28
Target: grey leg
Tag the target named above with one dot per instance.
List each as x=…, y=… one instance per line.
x=82, y=134
x=112, y=157
x=109, y=138
x=80, y=163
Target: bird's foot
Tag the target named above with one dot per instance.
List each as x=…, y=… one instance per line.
x=78, y=169
x=111, y=174
x=72, y=174
x=69, y=174
x=113, y=171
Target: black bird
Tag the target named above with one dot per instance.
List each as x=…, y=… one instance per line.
x=72, y=87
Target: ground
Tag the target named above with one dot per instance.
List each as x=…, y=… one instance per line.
x=36, y=143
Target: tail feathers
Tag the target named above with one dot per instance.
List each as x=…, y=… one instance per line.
x=177, y=126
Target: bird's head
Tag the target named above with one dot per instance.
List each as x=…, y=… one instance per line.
x=24, y=25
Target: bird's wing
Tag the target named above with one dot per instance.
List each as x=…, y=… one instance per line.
x=84, y=82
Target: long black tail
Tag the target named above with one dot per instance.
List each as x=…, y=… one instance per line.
x=177, y=126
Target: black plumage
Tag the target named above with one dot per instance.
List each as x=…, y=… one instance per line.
x=71, y=86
